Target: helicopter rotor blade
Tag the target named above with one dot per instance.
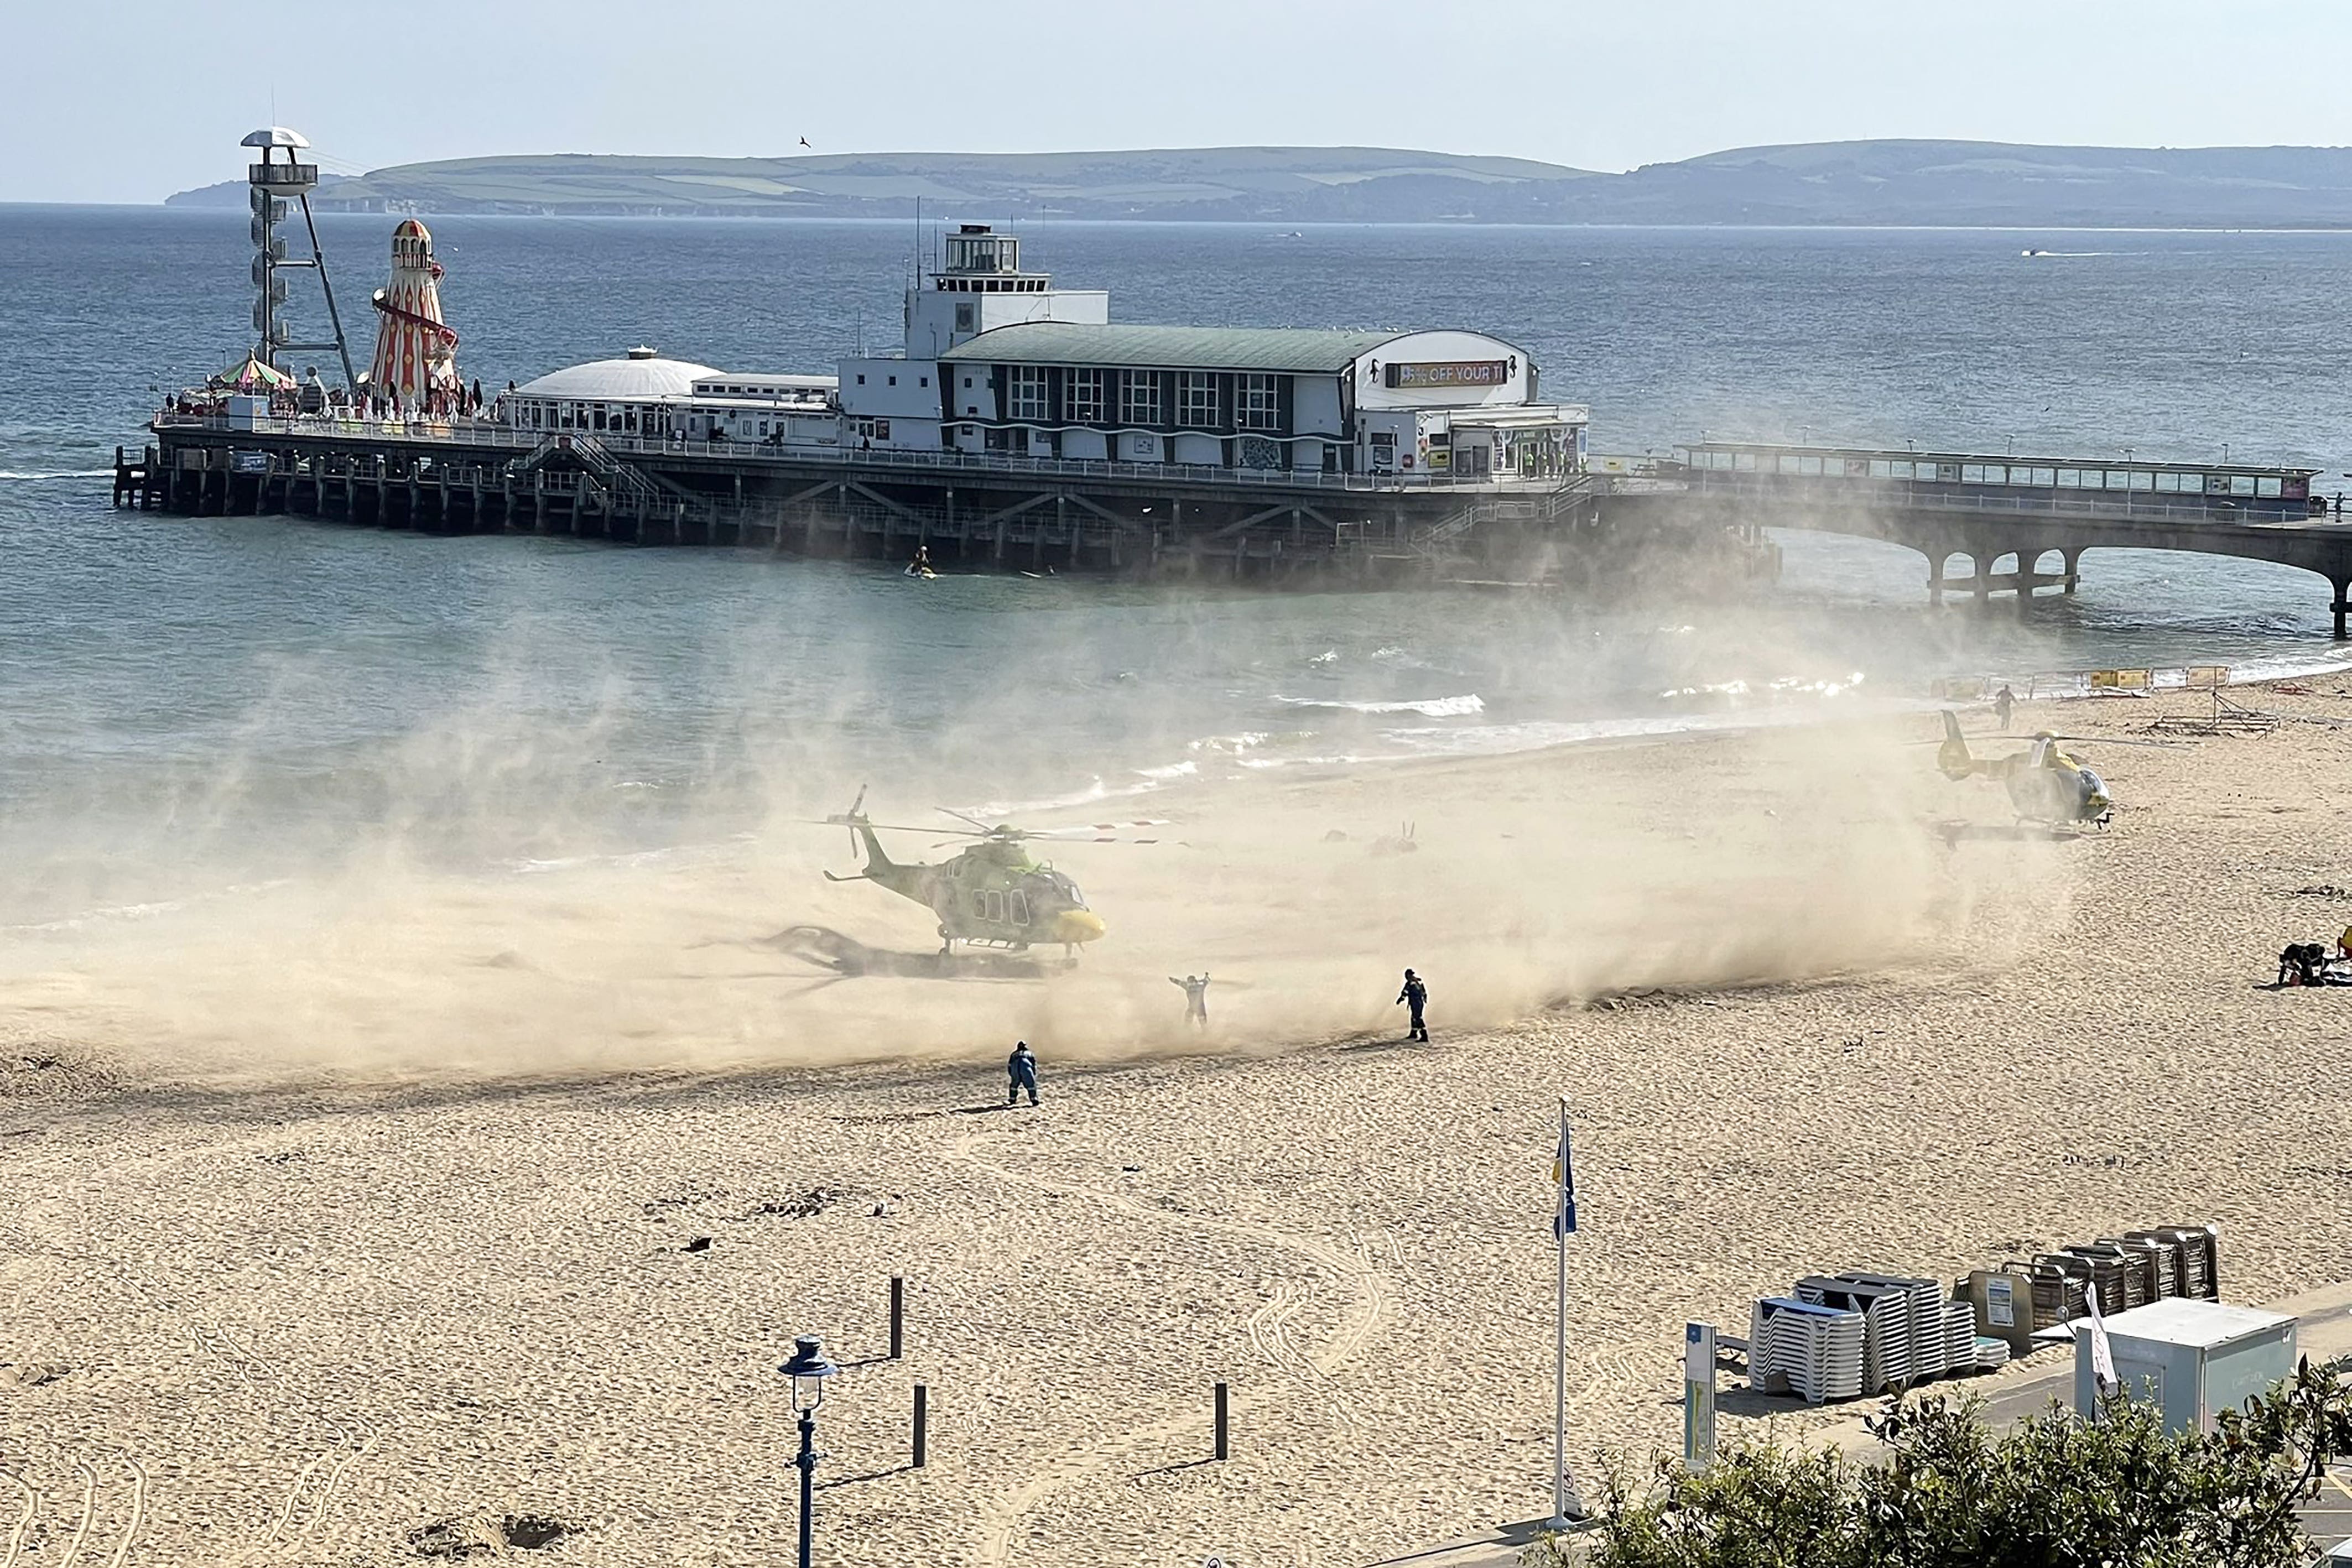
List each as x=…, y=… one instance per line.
x=963, y=816
x=887, y=827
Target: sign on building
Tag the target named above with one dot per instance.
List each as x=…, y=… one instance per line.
x=1431, y=375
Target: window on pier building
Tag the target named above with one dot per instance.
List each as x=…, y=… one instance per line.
x=1196, y=400
x=1028, y=394
x=1086, y=396
x=1255, y=404
x=1139, y=397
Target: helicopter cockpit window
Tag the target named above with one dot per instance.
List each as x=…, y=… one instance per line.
x=1016, y=907
x=1064, y=888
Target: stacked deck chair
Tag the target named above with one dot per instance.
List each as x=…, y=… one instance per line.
x=1798, y=1347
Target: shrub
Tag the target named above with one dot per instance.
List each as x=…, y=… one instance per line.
x=1949, y=1493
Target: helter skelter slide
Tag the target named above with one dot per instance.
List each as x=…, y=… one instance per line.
x=415, y=350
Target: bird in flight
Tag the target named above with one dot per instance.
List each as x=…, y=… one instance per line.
x=805, y=141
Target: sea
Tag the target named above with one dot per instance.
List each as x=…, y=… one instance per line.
x=184, y=700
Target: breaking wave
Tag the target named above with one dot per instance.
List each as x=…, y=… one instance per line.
x=1428, y=707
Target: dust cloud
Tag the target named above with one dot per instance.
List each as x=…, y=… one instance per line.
x=482, y=898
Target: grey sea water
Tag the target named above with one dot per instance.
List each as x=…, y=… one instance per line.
x=178, y=694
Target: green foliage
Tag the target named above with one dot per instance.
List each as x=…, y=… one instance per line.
x=1949, y=1493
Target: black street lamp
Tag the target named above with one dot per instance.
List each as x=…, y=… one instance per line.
x=808, y=1369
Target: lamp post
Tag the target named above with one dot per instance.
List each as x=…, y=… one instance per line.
x=808, y=1369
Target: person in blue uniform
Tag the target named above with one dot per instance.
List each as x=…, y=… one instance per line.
x=1021, y=1068
x=1416, y=996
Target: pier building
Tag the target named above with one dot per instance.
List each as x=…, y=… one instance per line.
x=641, y=392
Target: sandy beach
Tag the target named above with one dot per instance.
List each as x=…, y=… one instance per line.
x=367, y=1213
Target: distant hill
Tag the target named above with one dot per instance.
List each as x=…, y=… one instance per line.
x=1235, y=183
x=232, y=192
x=1859, y=182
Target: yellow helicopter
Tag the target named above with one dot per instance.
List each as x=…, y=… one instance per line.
x=994, y=894
x=2044, y=784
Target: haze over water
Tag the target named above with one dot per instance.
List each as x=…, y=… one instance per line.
x=178, y=694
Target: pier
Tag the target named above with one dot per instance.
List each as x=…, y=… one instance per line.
x=1017, y=427
x=2008, y=516
x=969, y=510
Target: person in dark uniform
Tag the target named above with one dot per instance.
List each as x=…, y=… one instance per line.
x=1196, y=998
x=2002, y=701
x=1021, y=1068
x=1416, y=995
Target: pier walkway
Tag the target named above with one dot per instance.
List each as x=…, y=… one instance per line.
x=2007, y=516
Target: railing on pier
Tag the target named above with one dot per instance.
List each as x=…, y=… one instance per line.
x=522, y=439
x=1899, y=494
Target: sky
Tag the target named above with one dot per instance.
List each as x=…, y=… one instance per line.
x=128, y=100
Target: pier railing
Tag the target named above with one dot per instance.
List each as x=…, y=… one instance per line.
x=522, y=439
x=1901, y=496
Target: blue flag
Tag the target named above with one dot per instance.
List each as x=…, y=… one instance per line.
x=1563, y=1177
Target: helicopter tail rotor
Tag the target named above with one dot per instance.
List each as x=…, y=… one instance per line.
x=853, y=819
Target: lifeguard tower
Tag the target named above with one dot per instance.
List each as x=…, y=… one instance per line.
x=278, y=176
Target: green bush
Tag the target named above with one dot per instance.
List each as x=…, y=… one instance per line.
x=1949, y=1493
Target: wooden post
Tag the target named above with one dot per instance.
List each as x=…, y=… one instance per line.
x=922, y=1424
x=1221, y=1422
x=898, y=1316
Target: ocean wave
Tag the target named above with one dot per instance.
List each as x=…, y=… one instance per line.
x=1004, y=810
x=38, y=476
x=1173, y=770
x=147, y=911
x=1783, y=686
x=1428, y=707
x=1541, y=735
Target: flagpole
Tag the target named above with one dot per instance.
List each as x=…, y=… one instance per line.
x=1559, y=1344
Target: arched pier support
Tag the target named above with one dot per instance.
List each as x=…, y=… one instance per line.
x=2342, y=603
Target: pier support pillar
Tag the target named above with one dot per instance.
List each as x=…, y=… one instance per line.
x=2071, y=558
x=1982, y=565
x=2342, y=604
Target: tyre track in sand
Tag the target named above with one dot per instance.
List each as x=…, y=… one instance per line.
x=1001, y=1515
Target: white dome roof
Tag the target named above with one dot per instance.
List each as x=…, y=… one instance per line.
x=641, y=374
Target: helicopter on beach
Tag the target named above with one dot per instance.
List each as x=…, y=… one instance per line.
x=994, y=894
x=2044, y=783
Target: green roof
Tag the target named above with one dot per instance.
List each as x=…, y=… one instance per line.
x=1169, y=348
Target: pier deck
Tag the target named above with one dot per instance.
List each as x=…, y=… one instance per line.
x=967, y=509
x=2265, y=514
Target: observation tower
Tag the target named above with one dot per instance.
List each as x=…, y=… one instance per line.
x=416, y=351
x=281, y=174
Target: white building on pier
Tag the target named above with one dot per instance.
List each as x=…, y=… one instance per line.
x=998, y=361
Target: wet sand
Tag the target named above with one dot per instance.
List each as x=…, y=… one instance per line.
x=298, y=1303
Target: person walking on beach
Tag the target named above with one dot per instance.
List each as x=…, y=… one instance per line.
x=1416, y=994
x=2002, y=701
x=1196, y=998
x=1021, y=1068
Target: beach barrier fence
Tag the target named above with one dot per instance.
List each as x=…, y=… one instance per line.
x=897, y=1317
x=921, y=1436
x=1224, y=1430
x=2058, y=684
